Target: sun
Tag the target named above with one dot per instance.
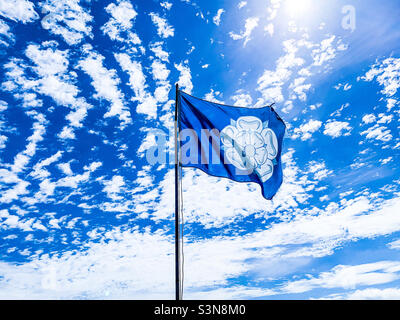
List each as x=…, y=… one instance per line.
x=296, y=8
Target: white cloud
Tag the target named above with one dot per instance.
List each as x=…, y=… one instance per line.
x=105, y=81
x=54, y=80
x=250, y=25
x=327, y=50
x=159, y=71
x=345, y=86
x=14, y=192
x=387, y=74
x=164, y=30
x=299, y=88
x=338, y=112
x=3, y=140
x=348, y=277
x=242, y=100
x=48, y=187
x=18, y=10
x=147, y=273
x=65, y=168
x=273, y=9
x=370, y=294
x=6, y=36
x=391, y=103
x=324, y=198
x=378, y=132
x=22, y=158
x=305, y=235
x=48, y=61
x=386, y=160
x=113, y=187
x=68, y=19
x=191, y=49
x=214, y=212
x=212, y=96
x=217, y=17
x=271, y=82
x=383, y=118
x=369, y=118
x=121, y=22
x=161, y=93
x=11, y=176
x=306, y=130
x=319, y=170
x=185, y=77
x=137, y=79
x=242, y=4
x=66, y=133
x=269, y=28
x=148, y=142
x=159, y=52
x=167, y=5
x=207, y=260
x=320, y=234
x=304, y=72
x=160, y=75
x=336, y=129
x=147, y=104
x=38, y=170
x=394, y=244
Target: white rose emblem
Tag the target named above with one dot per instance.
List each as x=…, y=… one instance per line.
x=250, y=145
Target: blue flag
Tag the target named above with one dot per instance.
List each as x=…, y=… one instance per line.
x=241, y=144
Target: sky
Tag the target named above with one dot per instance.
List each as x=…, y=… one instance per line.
x=85, y=84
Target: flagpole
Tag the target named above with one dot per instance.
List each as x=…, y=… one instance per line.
x=177, y=222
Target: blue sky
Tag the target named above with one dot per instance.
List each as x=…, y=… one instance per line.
x=83, y=86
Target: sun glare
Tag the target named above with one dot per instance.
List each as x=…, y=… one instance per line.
x=297, y=7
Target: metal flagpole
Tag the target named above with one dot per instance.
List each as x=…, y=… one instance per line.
x=177, y=203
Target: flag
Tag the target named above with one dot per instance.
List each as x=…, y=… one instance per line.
x=241, y=144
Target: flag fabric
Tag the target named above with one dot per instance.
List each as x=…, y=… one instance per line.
x=242, y=144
